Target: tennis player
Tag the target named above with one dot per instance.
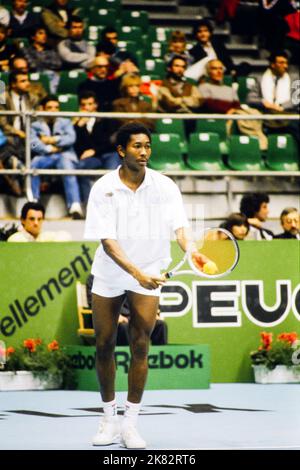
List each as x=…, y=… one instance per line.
x=133, y=211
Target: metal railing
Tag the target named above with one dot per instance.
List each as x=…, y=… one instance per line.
x=27, y=171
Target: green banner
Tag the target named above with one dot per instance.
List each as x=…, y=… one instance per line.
x=38, y=299
x=170, y=367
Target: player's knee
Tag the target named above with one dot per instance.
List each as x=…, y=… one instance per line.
x=105, y=348
x=139, y=348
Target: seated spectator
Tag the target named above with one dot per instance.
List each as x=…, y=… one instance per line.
x=21, y=20
x=42, y=58
x=223, y=99
x=273, y=95
x=255, y=206
x=55, y=18
x=110, y=34
x=20, y=64
x=176, y=95
x=177, y=46
x=290, y=222
x=132, y=102
x=237, y=224
x=7, y=51
x=18, y=97
x=159, y=336
x=75, y=51
x=52, y=140
x=32, y=218
x=105, y=90
x=209, y=46
x=93, y=146
x=4, y=16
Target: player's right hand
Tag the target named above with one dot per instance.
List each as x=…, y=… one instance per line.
x=149, y=282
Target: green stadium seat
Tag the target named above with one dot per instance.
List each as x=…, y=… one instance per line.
x=109, y=4
x=156, y=49
x=4, y=77
x=217, y=126
x=41, y=78
x=93, y=33
x=227, y=80
x=244, y=153
x=172, y=126
x=245, y=85
x=153, y=67
x=204, y=152
x=160, y=34
x=130, y=33
x=166, y=153
x=69, y=81
x=282, y=153
x=101, y=16
x=68, y=102
x=135, y=18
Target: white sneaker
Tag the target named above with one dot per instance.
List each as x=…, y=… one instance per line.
x=75, y=211
x=108, y=432
x=130, y=437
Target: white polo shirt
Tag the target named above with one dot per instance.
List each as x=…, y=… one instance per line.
x=142, y=222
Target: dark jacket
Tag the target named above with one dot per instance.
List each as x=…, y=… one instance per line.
x=287, y=236
x=98, y=139
x=106, y=91
x=198, y=53
x=23, y=30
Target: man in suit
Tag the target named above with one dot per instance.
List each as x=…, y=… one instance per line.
x=52, y=141
x=209, y=46
x=93, y=146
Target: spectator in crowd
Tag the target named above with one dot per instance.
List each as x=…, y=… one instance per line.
x=106, y=90
x=93, y=145
x=32, y=218
x=17, y=98
x=272, y=25
x=52, y=140
x=290, y=222
x=237, y=224
x=21, y=20
x=42, y=58
x=132, y=102
x=177, y=46
x=292, y=40
x=159, y=335
x=4, y=16
x=55, y=17
x=110, y=34
x=274, y=95
x=176, y=95
x=209, y=46
x=223, y=99
x=120, y=61
x=75, y=51
x=255, y=206
x=7, y=51
x=20, y=64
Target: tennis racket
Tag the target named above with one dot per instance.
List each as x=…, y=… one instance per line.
x=215, y=254
x=2, y=354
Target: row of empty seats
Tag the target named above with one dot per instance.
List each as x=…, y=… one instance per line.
x=203, y=153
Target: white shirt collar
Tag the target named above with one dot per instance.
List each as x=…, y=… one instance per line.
x=118, y=183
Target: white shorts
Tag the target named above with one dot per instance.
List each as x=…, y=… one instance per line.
x=110, y=285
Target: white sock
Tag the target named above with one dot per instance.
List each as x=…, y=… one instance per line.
x=110, y=408
x=131, y=412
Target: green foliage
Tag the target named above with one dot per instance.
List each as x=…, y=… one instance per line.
x=279, y=352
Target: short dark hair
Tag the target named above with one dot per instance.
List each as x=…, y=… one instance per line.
x=287, y=211
x=236, y=218
x=12, y=78
x=127, y=130
x=250, y=203
x=275, y=54
x=205, y=23
x=176, y=57
x=86, y=94
x=74, y=19
x=106, y=46
x=108, y=29
x=48, y=98
x=35, y=206
x=37, y=28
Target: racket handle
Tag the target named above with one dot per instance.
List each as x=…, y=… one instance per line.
x=169, y=275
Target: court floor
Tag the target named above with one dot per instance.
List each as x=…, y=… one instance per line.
x=227, y=416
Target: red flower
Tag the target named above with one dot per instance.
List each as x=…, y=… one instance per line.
x=266, y=339
x=288, y=337
x=54, y=346
x=30, y=345
x=10, y=350
x=38, y=341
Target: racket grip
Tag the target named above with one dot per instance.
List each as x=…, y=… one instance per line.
x=169, y=275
